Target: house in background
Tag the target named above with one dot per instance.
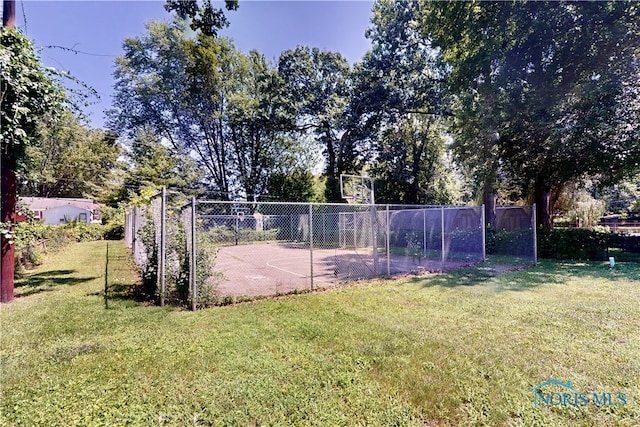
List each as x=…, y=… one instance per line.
x=61, y=211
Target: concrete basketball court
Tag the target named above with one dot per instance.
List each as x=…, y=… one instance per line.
x=277, y=268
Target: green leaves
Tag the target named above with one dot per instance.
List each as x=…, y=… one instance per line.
x=399, y=106
x=69, y=160
x=318, y=85
x=204, y=17
x=27, y=91
x=207, y=100
x=550, y=80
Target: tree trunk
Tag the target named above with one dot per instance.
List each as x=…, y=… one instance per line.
x=8, y=208
x=489, y=201
x=544, y=208
x=331, y=154
x=411, y=197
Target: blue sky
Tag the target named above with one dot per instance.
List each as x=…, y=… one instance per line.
x=98, y=28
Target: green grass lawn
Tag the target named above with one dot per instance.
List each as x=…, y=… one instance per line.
x=462, y=348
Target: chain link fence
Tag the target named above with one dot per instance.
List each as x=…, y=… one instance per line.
x=204, y=252
x=513, y=239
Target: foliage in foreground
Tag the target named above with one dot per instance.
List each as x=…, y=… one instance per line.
x=460, y=348
x=27, y=91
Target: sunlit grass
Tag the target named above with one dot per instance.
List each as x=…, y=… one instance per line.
x=464, y=347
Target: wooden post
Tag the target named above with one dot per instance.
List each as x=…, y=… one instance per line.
x=8, y=191
x=9, y=13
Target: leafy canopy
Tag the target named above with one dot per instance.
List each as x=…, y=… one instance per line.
x=27, y=91
x=547, y=91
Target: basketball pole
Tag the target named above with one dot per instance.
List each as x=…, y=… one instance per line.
x=372, y=206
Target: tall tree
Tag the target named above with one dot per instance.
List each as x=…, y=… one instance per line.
x=207, y=100
x=551, y=81
x=410, y=165
x=27, y=92
x=177, y=89
x=318, y=85
x=398, y=109
x=69, y=160
x=153, y=166
x=258, y=114
x=294, y=186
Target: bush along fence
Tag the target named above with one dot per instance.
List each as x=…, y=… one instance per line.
x=584, y=244
x=34, y=239
x=207, y=252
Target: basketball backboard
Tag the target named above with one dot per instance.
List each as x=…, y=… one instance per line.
x=357, y=189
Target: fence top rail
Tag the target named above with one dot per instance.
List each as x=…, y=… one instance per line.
x=231, y=202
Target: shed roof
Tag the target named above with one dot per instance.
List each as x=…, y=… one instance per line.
x=44, y=203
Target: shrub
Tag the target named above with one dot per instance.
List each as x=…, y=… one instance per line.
x=503, y=242
x=222, y=234
x=113, y=231
x=625, y=242
x=81, y=232
x=572, y=243
x=33, y=239
x=466, y=241
x=178, y=264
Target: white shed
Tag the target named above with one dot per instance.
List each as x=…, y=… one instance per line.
x=62, y=210
x=65, y=214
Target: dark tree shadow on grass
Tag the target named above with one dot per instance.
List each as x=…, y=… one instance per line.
x=30, y=284
x=122, y=287
x=134, y=292
x=526, y=278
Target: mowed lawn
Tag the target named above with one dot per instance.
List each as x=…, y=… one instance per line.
x=463, y=348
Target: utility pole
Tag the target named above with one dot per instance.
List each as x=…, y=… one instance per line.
x=8, y=190
x=9, y=13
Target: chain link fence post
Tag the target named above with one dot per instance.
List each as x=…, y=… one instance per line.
x=534, y=222
x=162, y=261
x=442, y=254
x=388, y=243
x=483, y=227
x=193, y=276
x=311, y=243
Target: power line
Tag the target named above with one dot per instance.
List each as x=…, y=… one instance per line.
x=76, y=51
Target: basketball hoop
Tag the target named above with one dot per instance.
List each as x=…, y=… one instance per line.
x=357, y=189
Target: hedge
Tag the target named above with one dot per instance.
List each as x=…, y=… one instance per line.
x=583, y=244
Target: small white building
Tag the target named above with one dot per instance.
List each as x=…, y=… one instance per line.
x=63, y=210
